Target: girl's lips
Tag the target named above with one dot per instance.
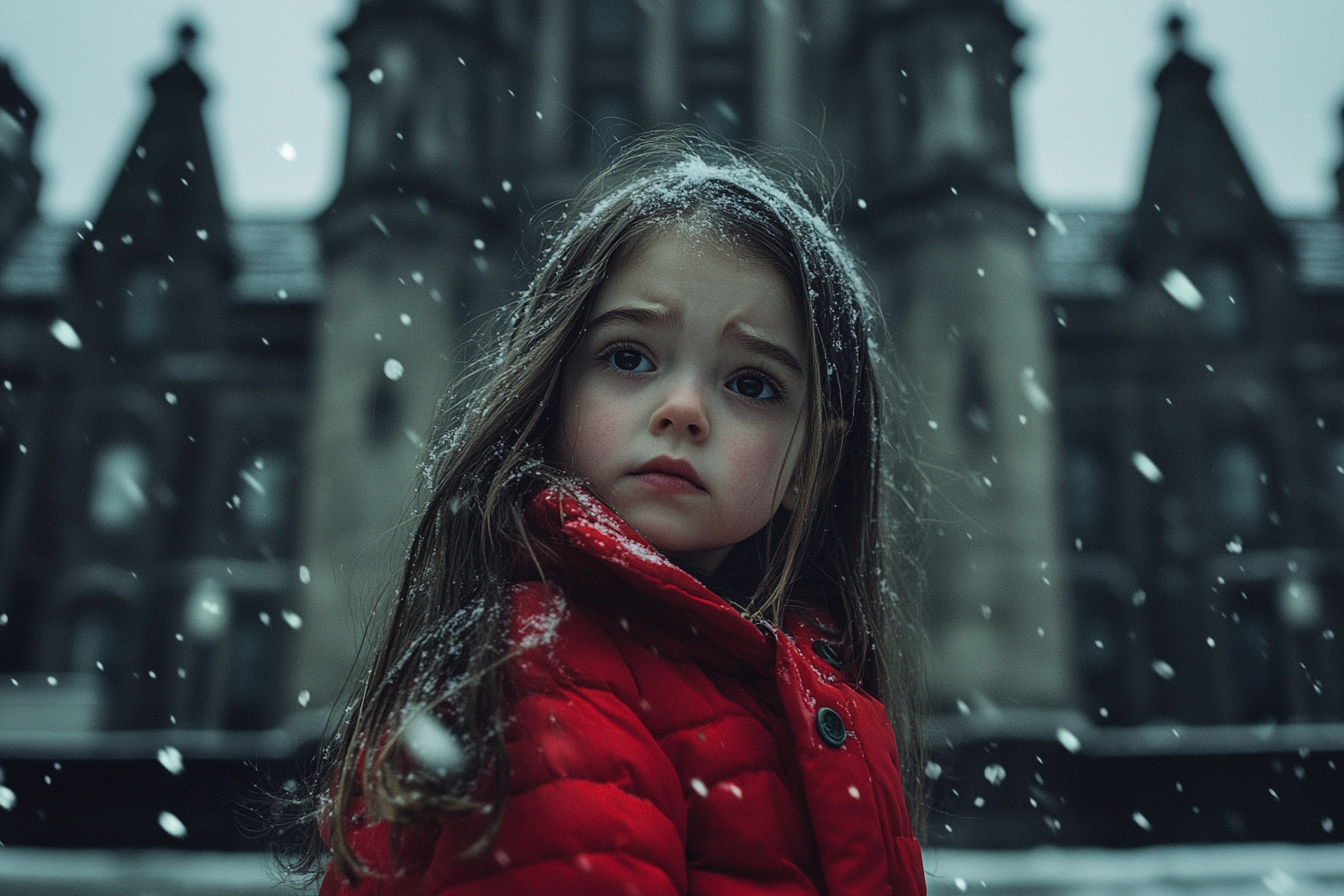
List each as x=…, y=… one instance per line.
x=667, y=482
x=667, y=474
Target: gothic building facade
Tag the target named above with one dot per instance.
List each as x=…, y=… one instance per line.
x=210, y=428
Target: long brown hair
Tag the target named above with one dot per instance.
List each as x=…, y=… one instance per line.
x=855, y=524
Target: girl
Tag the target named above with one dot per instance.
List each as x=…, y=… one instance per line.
x=650, y=617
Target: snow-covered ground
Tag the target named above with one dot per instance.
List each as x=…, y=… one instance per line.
x=1238, y=869
x=1226, y=870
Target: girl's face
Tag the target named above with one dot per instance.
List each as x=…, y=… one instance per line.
x=682, y=405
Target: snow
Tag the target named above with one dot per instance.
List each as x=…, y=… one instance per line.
x=172, y=825
x=432, y=745
x=1069, y=740
x=1180, y=288
x=171, y=759
x=65, y=334
x=1144, y=464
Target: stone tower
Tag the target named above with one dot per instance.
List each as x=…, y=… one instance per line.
x=951, y=242
x=408, y=245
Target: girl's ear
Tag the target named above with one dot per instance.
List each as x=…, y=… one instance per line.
x=835, y=434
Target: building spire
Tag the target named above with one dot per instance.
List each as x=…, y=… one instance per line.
x=1176, y=26
x=1194, y=166
x=187, y=35
x=165, y=200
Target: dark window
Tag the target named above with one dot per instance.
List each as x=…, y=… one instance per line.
x=1254, y=648
x=97, y=639
x=9, y=460
x=143, y=308
x=384, y=413
x=1222, y=316
x=253, y=654
x=1088, y=501
x=1240, y=486
x=264, y=487
x=975, y=410
x=1335, y=476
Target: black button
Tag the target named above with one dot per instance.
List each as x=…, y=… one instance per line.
x=824, y=650
x=831, y=727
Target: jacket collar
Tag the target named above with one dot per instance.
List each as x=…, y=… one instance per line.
x=589, y=541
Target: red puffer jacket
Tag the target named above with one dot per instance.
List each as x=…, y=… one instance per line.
x=661, y=743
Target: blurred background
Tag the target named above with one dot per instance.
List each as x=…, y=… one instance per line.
x=245, y=247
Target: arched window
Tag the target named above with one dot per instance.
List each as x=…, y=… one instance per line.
x=118, y=497
x=1241, y=491
x=143, y=308
x=265, y=488
x=1088, y=498
x=97, y=638
x=1222, y=316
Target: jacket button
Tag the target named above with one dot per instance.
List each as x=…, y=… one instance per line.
x=831, y=727
x=824, y=650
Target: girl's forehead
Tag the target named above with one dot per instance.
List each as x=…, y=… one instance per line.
x=700, y=232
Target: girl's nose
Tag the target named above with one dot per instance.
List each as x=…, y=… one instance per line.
x=682, y=411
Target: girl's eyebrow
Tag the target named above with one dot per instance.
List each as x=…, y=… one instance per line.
x=648, y=317
x=765, y=347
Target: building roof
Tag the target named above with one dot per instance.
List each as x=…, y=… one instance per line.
x=1080, y=255
x=1318, y=244
x=278, y=261
x=1080, y=252
x=37, y=266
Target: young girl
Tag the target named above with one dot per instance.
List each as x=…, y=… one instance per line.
x=650, y=617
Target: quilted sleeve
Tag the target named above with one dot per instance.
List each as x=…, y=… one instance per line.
x=594, y=804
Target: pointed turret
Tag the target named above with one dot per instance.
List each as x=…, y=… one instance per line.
x=1197, y=188
x=19, y=178
x=166, y=197
x=159, y=249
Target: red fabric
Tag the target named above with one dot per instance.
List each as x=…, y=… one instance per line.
x=663, y=744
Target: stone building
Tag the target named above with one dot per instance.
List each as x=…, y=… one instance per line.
x=155, y=367
x=211, y=427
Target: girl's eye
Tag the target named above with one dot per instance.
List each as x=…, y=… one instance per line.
x=628, y=359
x=751, y=385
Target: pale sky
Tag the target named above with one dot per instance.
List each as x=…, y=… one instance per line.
x=1084, y=107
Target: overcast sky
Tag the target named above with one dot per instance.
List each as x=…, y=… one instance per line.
x=1084, y=107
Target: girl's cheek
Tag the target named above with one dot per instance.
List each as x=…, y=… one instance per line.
x=592, y=424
